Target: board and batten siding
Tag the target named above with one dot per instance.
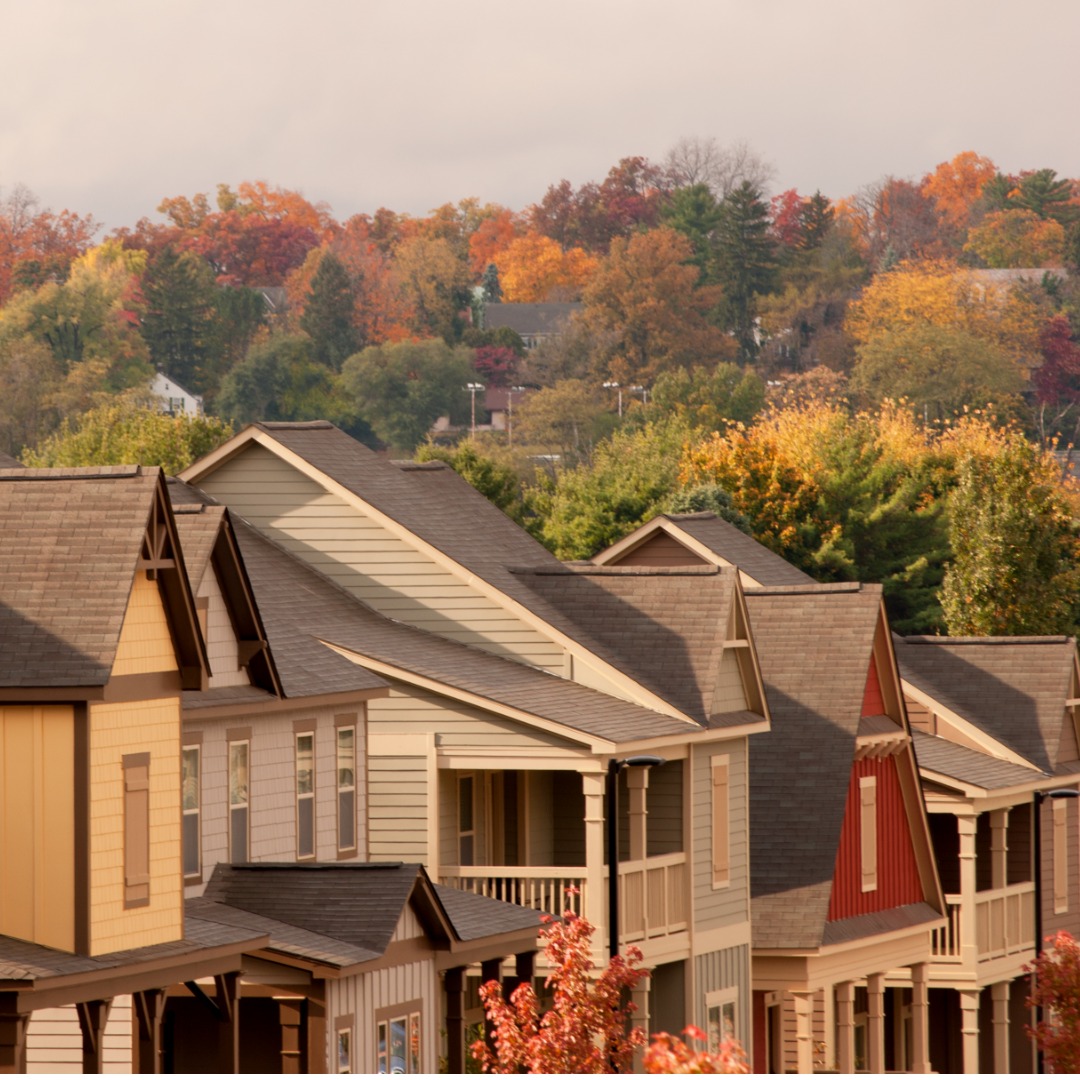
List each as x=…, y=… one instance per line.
x=724, y=969
x=729, y=904
x=54, y=1040
x=350, y=547
x=272, y=784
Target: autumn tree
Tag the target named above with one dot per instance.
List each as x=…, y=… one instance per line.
x=721, y=168
x=1056, y=993
x=1017, y=238
x=955, y=187
x=534, y=268
x=434, y=283
x=29, y=378
x=328, y=314
x=1057, y=380
x=563, y=421
x=647, y=311
x=1015, y=546
x=706, y=398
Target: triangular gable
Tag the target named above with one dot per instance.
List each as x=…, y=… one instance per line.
x=873, y=703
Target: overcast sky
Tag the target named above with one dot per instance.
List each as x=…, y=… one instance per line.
x=108, y=106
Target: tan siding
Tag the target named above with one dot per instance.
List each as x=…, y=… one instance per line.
x=361, y=996
x=730, y=693
x=273, y=785
x=718, y=971
x=368, y=560
x=408, y=927
x=37, y=824
x=399, y=828
x=145, y=643
x=115, y=730
x=660, y=550
x=54, y=1041
x=220, y=637
x=922, y=719
x=727, y=905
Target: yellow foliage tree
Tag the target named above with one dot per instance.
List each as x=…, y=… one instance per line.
x=955, y=187
x=1017, y=238
x=534, y=269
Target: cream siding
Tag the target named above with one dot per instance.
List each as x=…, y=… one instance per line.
x=367, y=559
x=362, y=996
x=272, y=786
x=722, y=970
x=729, y=904
x=730, y=692
x=221, y=647
x=54, y=1040
x=399, y=805
x=408, y=926
x=37, y=824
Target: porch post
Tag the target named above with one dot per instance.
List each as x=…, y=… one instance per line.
x=315, y=1036
x=999, y=993
x=875, y=1024
x=149, y=1008
x=638, y=782
x=920, y=1019
x=969, y=1029
x=455, y=1020
x=227, y=993
x=845, y=1027
x=969, y=946
x=593, y=905
x=291, y=1025
x=93, y=1016
x=999, y=848
x=13, y=1027
x=828, y=1008
x=804, y=1031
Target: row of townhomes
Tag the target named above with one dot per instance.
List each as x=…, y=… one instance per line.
x=295, y=749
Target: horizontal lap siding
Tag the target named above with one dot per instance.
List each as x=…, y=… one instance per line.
x=729, y=905
x=363, y=557
x=220, y=637
x=54, y=1040
x=722, y=970
x=660, y=550
x=731, y=695
x=399, y=828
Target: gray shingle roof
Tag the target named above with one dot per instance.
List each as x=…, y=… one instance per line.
x=70, y=543
x=529, y=320
x=970, y=766
x=814, y=644
x=474, y=917
x=1013, y=688
x=8, y=462
x=734, y=546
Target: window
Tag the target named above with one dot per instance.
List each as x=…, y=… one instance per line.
x=343, y=1060
x=868, y=831
x=239, y=794
x=397, y=1039
x=305, y=795
x=191, y=801
x=721, y=820
x=721, y=1016
x=466, y=821
x=136, y=829
x=346, y=784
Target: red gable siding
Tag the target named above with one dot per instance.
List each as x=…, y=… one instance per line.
x=897, y=872
x=873, y=704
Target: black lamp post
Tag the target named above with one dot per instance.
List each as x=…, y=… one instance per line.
x=1040, y=798
x=611, y=799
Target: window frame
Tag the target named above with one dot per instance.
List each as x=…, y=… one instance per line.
x=868, y=830
x=1059, y=820
x=304, y=729
x=720, y=1000
x=236, y=738
x=344, y=1026
x=343, y=723
x=469, y=833
x=411, y=1014
x=191, y=742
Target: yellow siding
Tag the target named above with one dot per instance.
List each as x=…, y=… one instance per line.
x=145, y=643
x=37, y=824
x=115, y=730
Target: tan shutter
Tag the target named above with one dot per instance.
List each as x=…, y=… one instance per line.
x=1061, y=856
x=868, y=831
x=136, y=829
x=721, y=821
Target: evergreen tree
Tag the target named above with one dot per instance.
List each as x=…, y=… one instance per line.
x=816, y=219
x=746, y=262
x=1047, y=195
x=328, y=314
x=695, y=213
x=490, y=283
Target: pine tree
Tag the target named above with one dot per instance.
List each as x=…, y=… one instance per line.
x=328, y=314
x=490, y=284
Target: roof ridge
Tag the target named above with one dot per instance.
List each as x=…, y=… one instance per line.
x=588, y=569
x=932, y=639
x=294, y=425
x=81, y=472
x=815, y=588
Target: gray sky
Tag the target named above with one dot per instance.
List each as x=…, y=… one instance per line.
x=108, y=106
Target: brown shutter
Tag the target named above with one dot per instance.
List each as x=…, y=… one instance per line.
x=868, y=831
x=721, y=821
x=1061, y=856
x=136, y=829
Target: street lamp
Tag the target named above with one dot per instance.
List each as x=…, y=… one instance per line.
x=611, y=809
x=643, y=391
x=1039, y=799
x=510, y=412
x=472, y=388
x=615, y=386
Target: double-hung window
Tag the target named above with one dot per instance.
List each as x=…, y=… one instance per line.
x=239, y=793
x=397, y=1039
x=191, y=802
x=305, y=791
x=345, y=735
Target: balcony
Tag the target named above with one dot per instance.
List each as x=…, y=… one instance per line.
x=542, y=888
x=1003, y=926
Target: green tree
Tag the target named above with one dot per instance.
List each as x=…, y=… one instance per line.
x=128, y=433
x=746, y=263
x=328, y=313
x=1015, y=547
x=707, y=498
x=707, y=398
x=495, y=479
x=402, y=389
x=1048, y=195
x=563, y=421
x=694, y=212
x=490, y=284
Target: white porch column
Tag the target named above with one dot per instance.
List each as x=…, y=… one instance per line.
x=595, y=907
x=969, y=1029
x=828, y=995
x=920, y=1020
x=638, y=782
x=804, y=1031
x=969, y=946
x=875, y=1024
x=640, y=997
x=845, y=1027
x=999, y=992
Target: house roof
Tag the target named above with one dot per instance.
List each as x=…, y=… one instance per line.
x=8, y=462
x=815, y=645
x=72, y=539
x=970, y=767
x=1014, y=689
x=669, y=627
x=529, y=320
x=301, y=608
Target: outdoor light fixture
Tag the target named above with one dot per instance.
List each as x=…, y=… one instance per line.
x=615, y=386
x=472, y=388
x=611, y=799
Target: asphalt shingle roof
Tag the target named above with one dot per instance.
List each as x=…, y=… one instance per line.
x=970, y=766
x=71, y=542
x=1014, y=689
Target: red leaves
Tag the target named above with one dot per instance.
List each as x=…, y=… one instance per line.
x=1057, y=992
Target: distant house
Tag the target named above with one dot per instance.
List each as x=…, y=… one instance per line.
x=534, y=323
x=176, y=401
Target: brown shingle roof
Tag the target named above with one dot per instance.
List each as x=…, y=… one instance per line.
x=1013, y=688
x=972, y=767
x=814, y=644
x=8, y=462
x=70, y=543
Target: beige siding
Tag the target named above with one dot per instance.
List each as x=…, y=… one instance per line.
x=728, y=905
x=220, y=637
x=369, y=561
x=54, y=1041
x=37, y=824
x=722, y=970
x=115, y=730
x=731, y=695
x=145, y=643
x=408, y=926
x=399, y=804
x=272, y=787
x=361, y=996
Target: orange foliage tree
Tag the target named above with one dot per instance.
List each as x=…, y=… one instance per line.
x=1017, y=238
x=956, y=186
x=492, y=236
x=1057, y=993
x=534, y=269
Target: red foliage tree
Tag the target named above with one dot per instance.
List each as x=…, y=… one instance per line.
x=1056, y=974
x=669, y=1055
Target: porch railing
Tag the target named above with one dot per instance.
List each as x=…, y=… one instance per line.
x=542, y=888
x=1004, y=925
x=653, y=896
x=945, y=944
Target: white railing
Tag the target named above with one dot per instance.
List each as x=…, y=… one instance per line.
x=945, y=944
x=1005, y=920
x=653, y=896
x=542, y=888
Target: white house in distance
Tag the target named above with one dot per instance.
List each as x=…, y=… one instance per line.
x=174, y=398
